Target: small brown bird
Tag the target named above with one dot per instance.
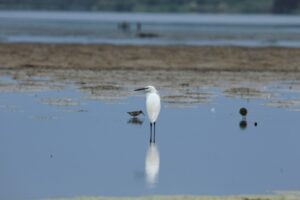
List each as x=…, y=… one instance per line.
x=135, y=113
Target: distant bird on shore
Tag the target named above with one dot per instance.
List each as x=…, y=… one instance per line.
x=135, y=113
x=152, y=106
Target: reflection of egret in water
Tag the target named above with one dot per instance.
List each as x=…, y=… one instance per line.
x=152, y=165
x=135, y=121
x=152, y=161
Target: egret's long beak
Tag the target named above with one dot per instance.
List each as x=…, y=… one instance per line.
x=140, y=89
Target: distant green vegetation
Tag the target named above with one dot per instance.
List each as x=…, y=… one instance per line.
x=197, y=6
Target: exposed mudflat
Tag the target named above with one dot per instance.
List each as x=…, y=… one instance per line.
x=101, y=57
x=177, y=87
x=183, y=74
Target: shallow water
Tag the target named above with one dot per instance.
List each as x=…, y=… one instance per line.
x=59, y=140
x=165, y=29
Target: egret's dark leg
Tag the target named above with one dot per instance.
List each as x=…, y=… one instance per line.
x=150, y=132
x=154, y=134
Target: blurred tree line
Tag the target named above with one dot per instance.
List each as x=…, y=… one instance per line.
x=198, y=6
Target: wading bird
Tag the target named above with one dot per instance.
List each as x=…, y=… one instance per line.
x=152, y=106
x=135, y=113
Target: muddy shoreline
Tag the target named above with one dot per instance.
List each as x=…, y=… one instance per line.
x=184, y=75
x=100, y=57
x=287, y=196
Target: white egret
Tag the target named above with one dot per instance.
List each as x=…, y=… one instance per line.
x=152, y=106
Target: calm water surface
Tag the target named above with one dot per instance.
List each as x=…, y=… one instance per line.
x=156, y=29
x=60, y=143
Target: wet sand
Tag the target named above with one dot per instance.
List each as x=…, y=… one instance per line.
x=285, y=196
x=99, y=57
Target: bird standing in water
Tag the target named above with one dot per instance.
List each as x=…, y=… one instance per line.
x=135, y=113
x=152, y=106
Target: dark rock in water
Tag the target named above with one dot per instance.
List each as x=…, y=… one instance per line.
x=243, y=111
x=255, y=123
x=146, y=35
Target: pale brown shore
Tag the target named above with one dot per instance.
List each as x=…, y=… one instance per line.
x=100, y=57
x=280, y=196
